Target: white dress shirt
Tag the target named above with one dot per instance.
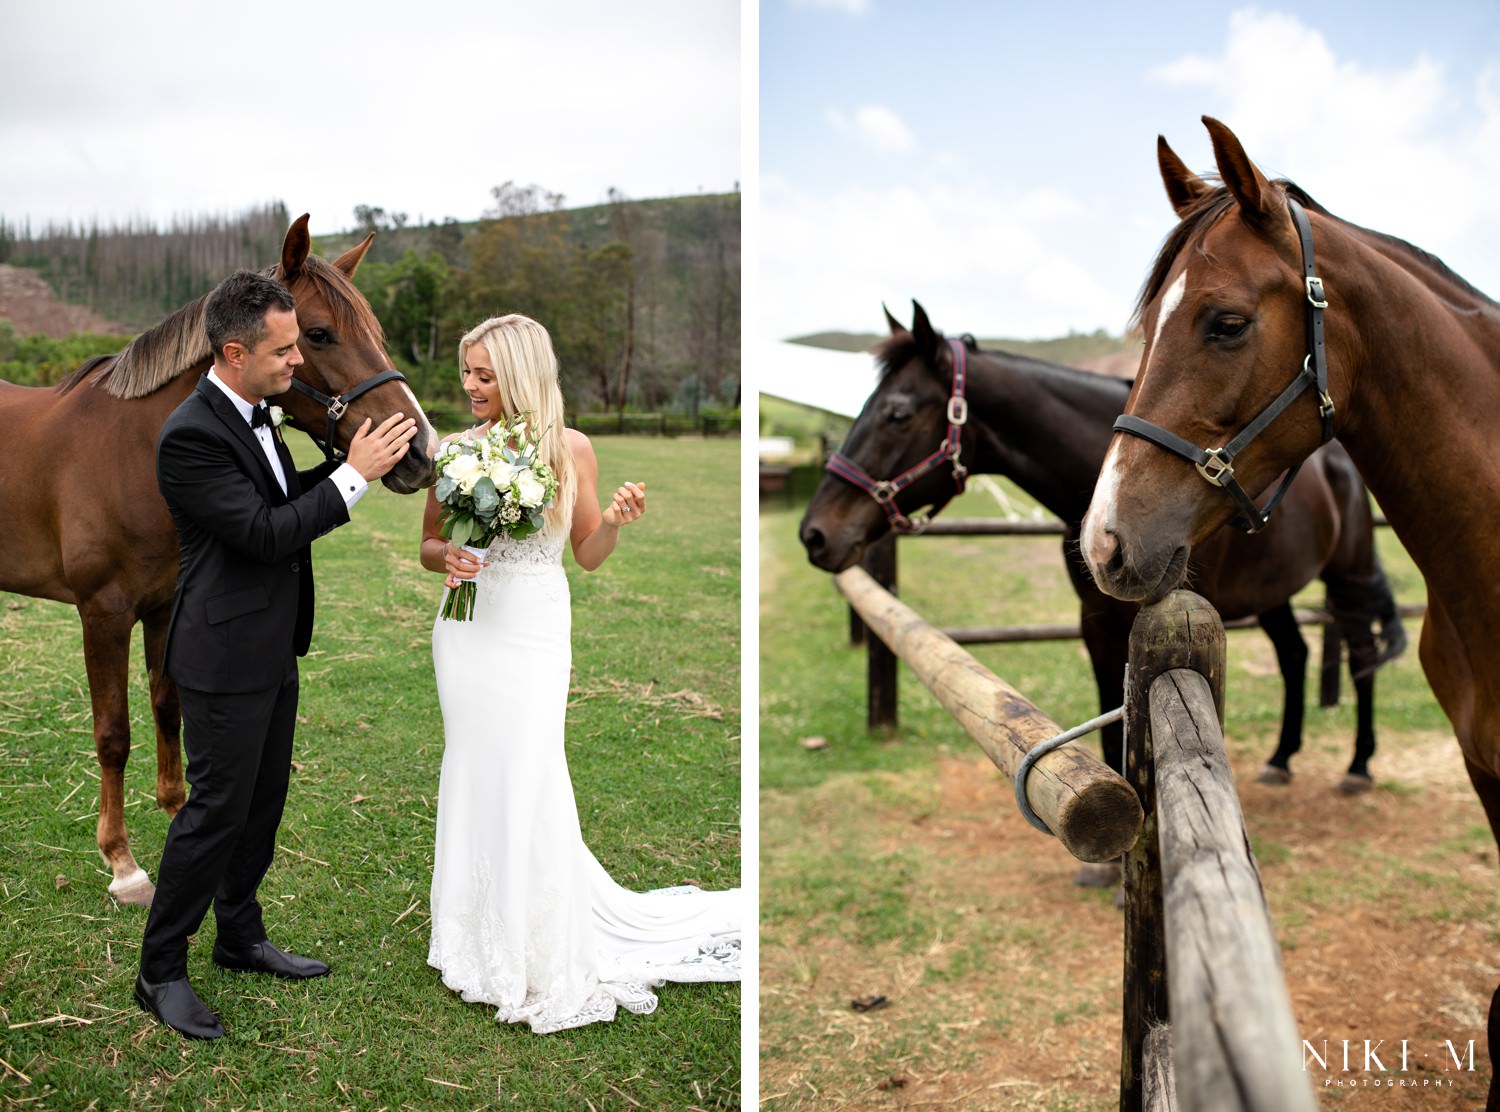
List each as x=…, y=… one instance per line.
x=350, y=482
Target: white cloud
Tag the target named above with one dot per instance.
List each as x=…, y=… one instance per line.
x=980, y=259
x=875, y=125
x=848, y=7
x=1401, y=150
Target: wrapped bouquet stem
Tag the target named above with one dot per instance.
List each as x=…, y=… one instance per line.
x=490, y=486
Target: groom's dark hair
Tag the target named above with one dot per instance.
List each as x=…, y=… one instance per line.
x=236, y=311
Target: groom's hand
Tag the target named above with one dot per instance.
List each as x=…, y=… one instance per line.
x=373, y=453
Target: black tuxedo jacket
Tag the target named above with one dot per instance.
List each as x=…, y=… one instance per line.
x=244, y=603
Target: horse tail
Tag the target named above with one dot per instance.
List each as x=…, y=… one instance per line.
x=1358, y=604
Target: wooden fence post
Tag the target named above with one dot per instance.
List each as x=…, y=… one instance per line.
x=880, y=662
x=1181, y=631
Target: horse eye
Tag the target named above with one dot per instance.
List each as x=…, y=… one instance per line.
x=320, y=336
x=898, y=414
x=1228, y=327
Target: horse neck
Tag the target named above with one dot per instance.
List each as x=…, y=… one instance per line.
x=1045, y=427
x=1426, y=380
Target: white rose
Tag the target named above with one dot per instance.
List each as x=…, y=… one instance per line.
x=465, y=471
x=500, y=472
x=531, y=489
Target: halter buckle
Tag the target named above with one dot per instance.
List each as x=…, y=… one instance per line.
x=336, y=406
x=918, y=521
x=1315, y=294
x=958, y=410
x=1217, y=468
x=1325, y=404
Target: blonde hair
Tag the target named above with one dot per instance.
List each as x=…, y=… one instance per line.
x=520, y=351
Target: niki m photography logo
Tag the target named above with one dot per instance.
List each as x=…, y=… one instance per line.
x=1387, y=1063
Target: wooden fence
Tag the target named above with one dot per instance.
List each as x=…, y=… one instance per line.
x=880, y=562
x=1217, y=1033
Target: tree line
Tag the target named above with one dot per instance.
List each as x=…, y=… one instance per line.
x=641, y=297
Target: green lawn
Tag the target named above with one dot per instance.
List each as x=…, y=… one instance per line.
x=654, y=745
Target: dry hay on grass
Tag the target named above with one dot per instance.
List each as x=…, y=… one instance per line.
x=684, y=703
x=1384, y=905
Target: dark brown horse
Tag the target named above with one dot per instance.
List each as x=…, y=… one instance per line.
x=1047, y=428
x=1409, y=367
x=91, y=529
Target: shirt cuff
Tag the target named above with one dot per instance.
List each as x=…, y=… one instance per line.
x=350, y=482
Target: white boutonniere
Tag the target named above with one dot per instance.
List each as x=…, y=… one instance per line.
x=277, y=415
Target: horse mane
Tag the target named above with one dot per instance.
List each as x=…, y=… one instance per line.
x=895, y=351
x=1205, y=211
x=179, y=343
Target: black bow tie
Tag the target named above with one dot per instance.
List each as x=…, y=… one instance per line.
x=259, y=416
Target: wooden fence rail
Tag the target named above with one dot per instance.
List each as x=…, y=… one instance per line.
x=1087, y=805
x=880, y=562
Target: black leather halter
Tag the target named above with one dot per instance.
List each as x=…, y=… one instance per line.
x=1216, y=465
x=884, y=491
x=339, y=403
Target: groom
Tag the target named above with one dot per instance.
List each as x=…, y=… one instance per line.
x=242, y=615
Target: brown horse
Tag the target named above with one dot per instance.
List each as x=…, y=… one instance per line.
x=91, y=529
x=1413, y=358
x=1047, y=428
x=1258, y=287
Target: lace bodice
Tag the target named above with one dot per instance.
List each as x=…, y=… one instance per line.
x=539, y=549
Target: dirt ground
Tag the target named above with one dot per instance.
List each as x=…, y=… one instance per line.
x=1384, y=905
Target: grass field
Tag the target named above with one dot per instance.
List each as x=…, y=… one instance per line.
x=898, y=866
x=654, y=750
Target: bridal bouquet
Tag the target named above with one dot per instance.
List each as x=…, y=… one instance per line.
x=493, y=486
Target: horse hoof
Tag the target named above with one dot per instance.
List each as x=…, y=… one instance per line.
x=1098, y=876
x=1355, y=784
x=133, y=889
x=1273, y=775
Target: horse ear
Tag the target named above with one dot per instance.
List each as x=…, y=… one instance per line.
x=294, y=249
x=349, y=261
x=896, y=326
x=927, y=337
x=1258, y=201
x=1183, y=186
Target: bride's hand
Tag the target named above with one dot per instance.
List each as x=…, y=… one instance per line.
x=628, y=503
x=460, y=564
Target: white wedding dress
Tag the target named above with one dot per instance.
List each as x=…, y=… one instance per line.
x=523, y=916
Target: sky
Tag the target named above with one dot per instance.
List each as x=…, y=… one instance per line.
x=152, y=109
x=997, y=161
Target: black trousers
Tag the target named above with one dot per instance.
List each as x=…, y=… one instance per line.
x=220, y=844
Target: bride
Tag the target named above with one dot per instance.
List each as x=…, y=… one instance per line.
x=523, y=916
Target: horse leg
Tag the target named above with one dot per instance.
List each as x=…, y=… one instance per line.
x=1108, y=647
x=106, y=655
x=1364, y=659
x=1280, y=625
x=167, y=713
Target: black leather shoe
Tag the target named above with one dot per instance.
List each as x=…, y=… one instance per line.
x=177, y=1005
x=265, y=958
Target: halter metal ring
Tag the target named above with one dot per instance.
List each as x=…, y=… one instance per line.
x=1217, y=468
x=958, y=410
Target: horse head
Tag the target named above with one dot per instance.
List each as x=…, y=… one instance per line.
x=343, y=347
x=903, y=432
x=1227, y=311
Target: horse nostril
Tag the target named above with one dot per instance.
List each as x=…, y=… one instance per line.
x=1116, y=562
x=812, y=539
